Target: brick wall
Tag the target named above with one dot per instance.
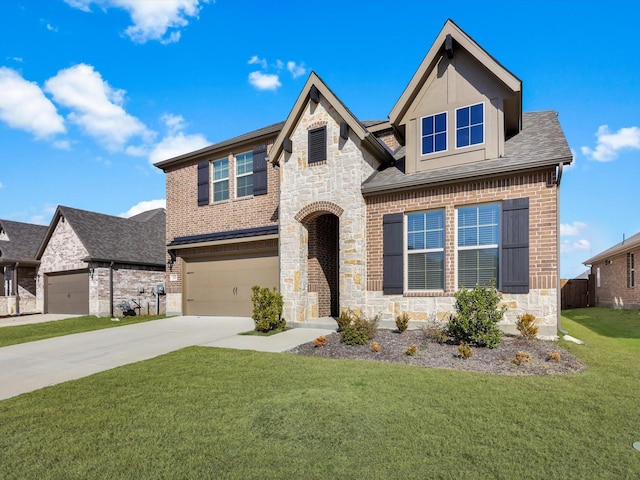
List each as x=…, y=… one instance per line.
x=323, y=263
x=613, y=291
x=185, y=217
x=543, y=259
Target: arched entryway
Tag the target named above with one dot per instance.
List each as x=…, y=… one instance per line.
x=323, y=262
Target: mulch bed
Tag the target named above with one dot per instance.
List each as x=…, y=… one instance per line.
x=498, y=360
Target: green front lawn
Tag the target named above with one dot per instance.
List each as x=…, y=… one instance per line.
x=40, y=331
x=215, y=413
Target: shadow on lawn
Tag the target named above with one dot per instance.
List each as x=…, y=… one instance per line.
x=607, y=322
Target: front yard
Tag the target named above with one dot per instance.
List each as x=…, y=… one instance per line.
x=213, y=413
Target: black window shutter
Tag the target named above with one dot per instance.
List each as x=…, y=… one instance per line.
x=203, y=182
x=317, y=145
x=514, y=269
x=392, y=254
x=260, y=170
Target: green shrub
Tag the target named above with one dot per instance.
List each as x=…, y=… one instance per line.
x=527, y=326
x=267, y=309
x=344, y=319
x=402, y=322
x=360, y=330
x=476, y=317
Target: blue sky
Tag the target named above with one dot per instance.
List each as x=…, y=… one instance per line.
x=92, y=92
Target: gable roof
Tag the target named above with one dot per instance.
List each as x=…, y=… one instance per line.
x=369, y=141
x=432, y=58
x=628, y=244
x=138, y=240
x=540, y=143
x=23, y=241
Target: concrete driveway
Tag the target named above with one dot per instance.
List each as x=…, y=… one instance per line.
x=30, y=366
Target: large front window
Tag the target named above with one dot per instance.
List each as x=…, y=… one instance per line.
x=220, y=180
x=425, y=250
x=470, y=125
x=244, y=174
x=434, y=133
x=478, y=241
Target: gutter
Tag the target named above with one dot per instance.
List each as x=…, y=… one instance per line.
x=558, y=280
x=111, y=289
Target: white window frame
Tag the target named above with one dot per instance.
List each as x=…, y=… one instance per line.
x=484, y=126
x=242, y=175
x=446, y=133
x=220, y=180
x=476, y=247
x=405, y=240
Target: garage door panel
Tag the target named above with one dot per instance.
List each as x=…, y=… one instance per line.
x=68, y=293
x=222, y=286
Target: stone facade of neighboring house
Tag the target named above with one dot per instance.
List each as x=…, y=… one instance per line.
x=616, y=283
x=457, y=187
x=90, y=263
x=18, y=245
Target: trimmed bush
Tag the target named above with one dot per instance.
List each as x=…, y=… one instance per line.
x=267, y=309
x=476, y=317
x=402, y=322
x=527, y=326
x=320, y=341
x=360, y=330
x=465, y=350
x=412, y=350
x=344, y=319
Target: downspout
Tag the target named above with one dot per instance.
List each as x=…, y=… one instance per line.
x=111, y=289
x=15, y=287
x=558, y=283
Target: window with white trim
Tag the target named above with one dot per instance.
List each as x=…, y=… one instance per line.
x=478, y=232
x=434, y=133
x=244, y=174
x=470, y=125
x=220, y=180
x=425, y=250
x=631, y=270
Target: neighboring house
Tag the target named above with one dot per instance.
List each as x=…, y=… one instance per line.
x=457, y=187
x=615, y=275
x=19, y=243
x=90, y=262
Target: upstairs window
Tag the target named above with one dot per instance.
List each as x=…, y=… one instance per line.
x=425, y=250
x=220, y=180
x=478, y=243
x=434, y=133
x=244, y=174
x=317, y=145
x=470, y=125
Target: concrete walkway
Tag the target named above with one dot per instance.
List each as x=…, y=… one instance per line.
x=30, y=366
x=35, y=318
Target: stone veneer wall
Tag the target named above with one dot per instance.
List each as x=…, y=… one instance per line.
x=307, y=190
x=613, y=291
x=543, y=270
x=63, y=253
x=185, y=217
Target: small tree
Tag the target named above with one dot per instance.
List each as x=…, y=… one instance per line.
x=477, y=315
x=267, y=309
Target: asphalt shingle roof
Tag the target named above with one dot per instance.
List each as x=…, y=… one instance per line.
x=540, y=143
x=628, y=244
x=23, y=243
x=138, y=240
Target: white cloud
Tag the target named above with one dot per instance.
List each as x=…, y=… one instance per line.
x=159, y=20
x=16, y=59
x=296, y=69
x=143, y=207
x=255, y=60
x=176, y=142
x=609, y=145
x=24, y=106
x=579, y=245
x=572, y=229
x=96, y=106
x=62, y=144
x=264, y=81
x=51, y=28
